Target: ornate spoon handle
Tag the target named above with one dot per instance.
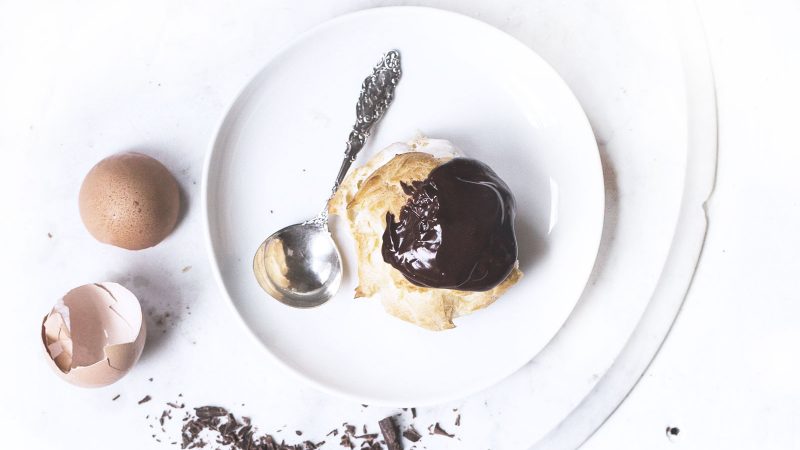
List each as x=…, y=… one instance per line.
x=377, y=93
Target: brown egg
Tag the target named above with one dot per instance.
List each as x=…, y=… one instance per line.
x=129, y=200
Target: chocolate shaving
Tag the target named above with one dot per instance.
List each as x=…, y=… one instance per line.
x=370, y=437
x=389, y=431
x=115, y=398
x=346, y=442
x=413, y=413
x=412, y=434
x=206, y=412
x=333, y=432
x=458, y=420
x=437, y=429
x=146, y=399
x=350, y=429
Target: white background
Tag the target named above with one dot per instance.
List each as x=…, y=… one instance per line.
x=727, y=375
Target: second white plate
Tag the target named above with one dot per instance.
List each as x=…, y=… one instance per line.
x=276, y=154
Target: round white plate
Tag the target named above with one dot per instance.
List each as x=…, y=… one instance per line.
x=279, y=147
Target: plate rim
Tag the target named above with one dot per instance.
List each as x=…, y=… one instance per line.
x=386, y=401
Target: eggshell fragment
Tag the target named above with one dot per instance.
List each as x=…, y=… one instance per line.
x=94, y=334
x=129, y=200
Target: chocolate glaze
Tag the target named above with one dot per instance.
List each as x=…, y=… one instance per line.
x=456, y=231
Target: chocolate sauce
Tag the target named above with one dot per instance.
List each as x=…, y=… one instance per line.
x=456, y=231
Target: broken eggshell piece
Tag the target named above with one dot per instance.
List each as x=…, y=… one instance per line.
x=94, y=334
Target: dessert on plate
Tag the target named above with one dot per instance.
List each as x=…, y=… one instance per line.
x=434, y=232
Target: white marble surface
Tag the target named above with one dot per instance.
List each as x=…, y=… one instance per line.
x=728, y=376
x=80, y=83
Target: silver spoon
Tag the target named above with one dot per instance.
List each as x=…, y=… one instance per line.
x=300, y=265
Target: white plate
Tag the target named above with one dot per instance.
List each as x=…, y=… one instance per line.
x=277, y=152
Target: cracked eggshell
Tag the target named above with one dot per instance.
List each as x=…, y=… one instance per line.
x=94, y=334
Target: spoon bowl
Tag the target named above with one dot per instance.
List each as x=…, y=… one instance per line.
x=299, y=265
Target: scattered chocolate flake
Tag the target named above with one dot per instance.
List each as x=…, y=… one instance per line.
x=413, y=413
x=207, y=412
x=673, y=431
x=231, y=433
x=50, y=235
x=221, y=429
x=150, y=379
x=368, y=437
x=412, y=434
x=365, y=406
x=146, y=399
x=115, y=398
x=346, y=442
x=186, y=269
x=389, y=431
x=437, y=429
